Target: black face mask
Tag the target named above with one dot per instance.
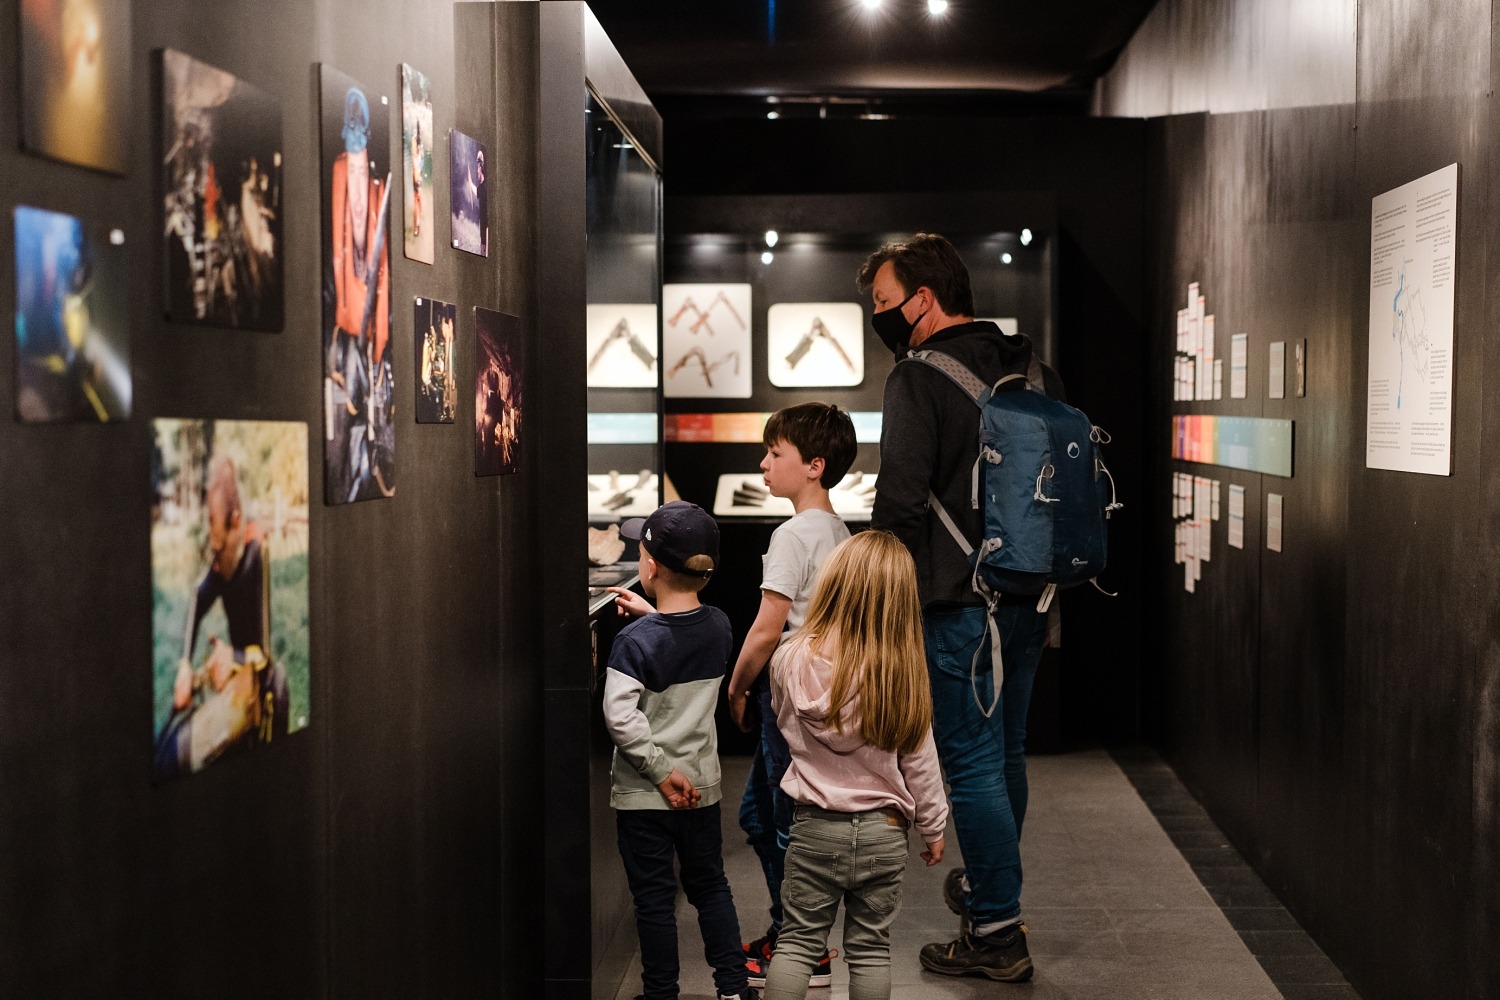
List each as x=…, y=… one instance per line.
x=893, y=328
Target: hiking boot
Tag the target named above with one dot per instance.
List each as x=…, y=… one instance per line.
x=1001, y=956
x=822, y=974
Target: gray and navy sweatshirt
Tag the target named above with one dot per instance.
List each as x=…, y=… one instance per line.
x=659, y=696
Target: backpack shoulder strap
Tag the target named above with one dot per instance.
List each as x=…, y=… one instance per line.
x=973, y=386
x=1036, y=381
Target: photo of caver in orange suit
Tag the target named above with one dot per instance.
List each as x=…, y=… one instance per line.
x=358, y=367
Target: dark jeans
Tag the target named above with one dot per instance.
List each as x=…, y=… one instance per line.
x=765, y=810
x=649, y=839
x=985, y=759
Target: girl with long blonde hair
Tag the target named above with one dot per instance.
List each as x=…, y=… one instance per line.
x=851, y=696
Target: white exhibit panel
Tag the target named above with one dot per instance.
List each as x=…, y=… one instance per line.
x=622, y=343
x=706, y=341
x=1274, y=517
x=1413, y=262
x=1009, y=325
x=815, y=344
x=744, y=494
x=1276, y=371
x=616, y=496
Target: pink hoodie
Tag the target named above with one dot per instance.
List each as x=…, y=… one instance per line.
x=839, y=771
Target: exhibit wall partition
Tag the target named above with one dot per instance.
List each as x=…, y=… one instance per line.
x=1325, y=677
x=281, y=593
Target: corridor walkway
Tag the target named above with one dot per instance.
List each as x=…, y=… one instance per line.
x=1115, y=911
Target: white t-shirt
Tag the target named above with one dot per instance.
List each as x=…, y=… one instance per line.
x=791, y=562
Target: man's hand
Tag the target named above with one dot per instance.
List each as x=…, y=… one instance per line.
x=182, y=685
x=679, y=791
x=629, y=604
x=738, y=714
x=934, y=852
x=220, y=662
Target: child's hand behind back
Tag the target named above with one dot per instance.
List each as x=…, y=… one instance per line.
x=679, y=791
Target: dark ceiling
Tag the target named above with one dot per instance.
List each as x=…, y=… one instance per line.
x=1006, y=51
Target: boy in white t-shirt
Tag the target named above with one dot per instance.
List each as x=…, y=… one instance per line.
x=809, y=448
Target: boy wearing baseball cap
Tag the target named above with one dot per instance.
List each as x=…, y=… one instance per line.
x=660, y=690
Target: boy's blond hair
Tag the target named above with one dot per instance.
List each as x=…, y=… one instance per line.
x=865, y=611
x=683, y=582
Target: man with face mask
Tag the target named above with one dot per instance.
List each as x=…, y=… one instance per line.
x=922, y=298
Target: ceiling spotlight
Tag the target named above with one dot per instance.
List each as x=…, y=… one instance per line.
x=771, y=237
x=773, y=115
x=1026, y=237
x=767, y=257
x=872, y=4
x=937, y=6
x=1005, y=258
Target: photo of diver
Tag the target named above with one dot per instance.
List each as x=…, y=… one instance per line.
x=72, y=334
x=437, y=387
x=221, y=202
x=75, y=82
x=359, y=408
x=468, y=193
x=497, y=393
x=229, y=576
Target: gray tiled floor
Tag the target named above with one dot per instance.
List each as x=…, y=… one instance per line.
x=1114, y=910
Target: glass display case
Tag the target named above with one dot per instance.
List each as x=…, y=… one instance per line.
x=624, y=320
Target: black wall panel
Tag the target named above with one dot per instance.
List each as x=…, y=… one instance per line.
x=1335, y=704
x=390, y=848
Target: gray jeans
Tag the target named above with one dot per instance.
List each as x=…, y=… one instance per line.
x=856, y=858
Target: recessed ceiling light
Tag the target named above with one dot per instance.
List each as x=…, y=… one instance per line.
x=937, y=6
x=1026, y=237
x=872, y=4
x=771, y=237
x=773, y=115
x=1005, y=258
x=767, y=257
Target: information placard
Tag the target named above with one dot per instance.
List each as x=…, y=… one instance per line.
x=1413, y=261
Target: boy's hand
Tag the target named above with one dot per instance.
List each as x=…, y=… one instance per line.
x=629, y=604
x=737, y=713
x=679, y=791
x=934, y=852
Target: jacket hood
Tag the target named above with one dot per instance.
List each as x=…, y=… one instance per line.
x=988, y=345
x=809, y=690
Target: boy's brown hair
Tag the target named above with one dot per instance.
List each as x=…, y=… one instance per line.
x=816, y=430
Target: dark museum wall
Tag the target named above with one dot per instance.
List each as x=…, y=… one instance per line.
x=391, y=848
x=1084, y=176
x=1336, y=705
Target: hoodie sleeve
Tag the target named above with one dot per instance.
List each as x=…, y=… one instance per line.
x=627, y=724
x=908, y=447
x=924, y=779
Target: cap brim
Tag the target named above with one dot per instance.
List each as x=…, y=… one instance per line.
x=633, y=528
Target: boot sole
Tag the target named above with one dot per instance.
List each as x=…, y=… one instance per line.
x=1018, y=973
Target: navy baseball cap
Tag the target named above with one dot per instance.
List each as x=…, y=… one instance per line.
x=674, y=533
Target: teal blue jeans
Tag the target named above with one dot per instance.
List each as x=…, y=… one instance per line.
x=852, y=858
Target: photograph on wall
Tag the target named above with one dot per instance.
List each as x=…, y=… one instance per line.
x=359, y=399
x=229, y=587
x=468, y=194
x=75, y=82
x=416, y=169
x=621, y=342
x=497, y=393
x=815, y=344
x=72, y=326
x=433, y=325
x=706, y=341
x=221, y=200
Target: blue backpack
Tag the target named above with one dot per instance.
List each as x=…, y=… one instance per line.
x=1041, y=482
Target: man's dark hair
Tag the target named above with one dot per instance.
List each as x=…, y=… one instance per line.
x=925, y=259
x=816, y=430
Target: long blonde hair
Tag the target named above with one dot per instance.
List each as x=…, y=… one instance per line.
x=865, y=614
